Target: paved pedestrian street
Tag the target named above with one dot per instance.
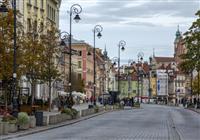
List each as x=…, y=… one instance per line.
x=151, y=122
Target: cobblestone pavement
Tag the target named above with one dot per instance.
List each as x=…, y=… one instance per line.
x=152, y=122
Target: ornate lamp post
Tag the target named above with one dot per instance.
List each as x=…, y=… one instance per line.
x=3, y=8
x=15, y=98
x=114, y=61
x=97, y=30
x=140, y=58
x=150, y=68
x=129, y=77
x=75, y=9
x=121, y=46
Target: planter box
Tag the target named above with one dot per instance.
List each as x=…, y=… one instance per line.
x=12, y=127
x=101, y=108
x=108, y=107
x=24, y=126
x=86, y=112
x=3, y=128
x=45, y=120
x=32, y=122
x=59, y=118
x=65, y=117
x=52, y=119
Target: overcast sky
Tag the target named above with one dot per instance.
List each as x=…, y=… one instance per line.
x=143, y=24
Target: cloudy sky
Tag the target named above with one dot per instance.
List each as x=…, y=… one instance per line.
x=145, y=25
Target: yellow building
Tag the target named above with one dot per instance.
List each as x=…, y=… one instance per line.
x=153, y=86
x=38, y=13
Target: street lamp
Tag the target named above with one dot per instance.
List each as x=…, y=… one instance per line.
x=75, y=9
x=64, y=36
x=97, y=30
x=114, y=61
x=121, y=46
x=140, y=58
x=15, y=98
x=130, y=62
x=150, y=68
x=3, y=8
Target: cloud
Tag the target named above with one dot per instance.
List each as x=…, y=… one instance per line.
x=137, y=3
x=143, y=24
x=158, y=20
x=137, y=12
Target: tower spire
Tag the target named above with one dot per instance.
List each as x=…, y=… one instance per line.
x=178, y=35
x=105, y=53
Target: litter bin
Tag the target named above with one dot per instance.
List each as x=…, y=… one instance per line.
x=39, y=118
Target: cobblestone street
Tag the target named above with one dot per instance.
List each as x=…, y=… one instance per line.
x=152, y=122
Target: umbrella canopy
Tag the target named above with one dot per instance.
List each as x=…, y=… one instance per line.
x=78, y=94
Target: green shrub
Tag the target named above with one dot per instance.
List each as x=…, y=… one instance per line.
x=107, y=107
x=23, y=118
x=121, y=106
x=190, y=105
x=72, y=112
x=136, y=104
x=9, y=118
x=96, y=108
x=67, y=111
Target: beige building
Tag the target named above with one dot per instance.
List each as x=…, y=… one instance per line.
x=38, y=13
x=84, y=67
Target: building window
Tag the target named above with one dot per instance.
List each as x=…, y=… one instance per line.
x=35, y=26
x=79, y=64
x=41, y=27
x=29, y=24
x=42, y=4
x=79, y=76
x=35, y=3
x=47, y=10
x=80, y=53
x=50, y=12
x=54, y=13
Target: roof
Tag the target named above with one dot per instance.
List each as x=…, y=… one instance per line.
x=164, y=59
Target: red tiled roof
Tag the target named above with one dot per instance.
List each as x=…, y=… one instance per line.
x=146, y=67
x=164, y=59
x=162, y=67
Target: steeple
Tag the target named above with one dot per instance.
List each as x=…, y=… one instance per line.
x=105, y=53
x=178, y=35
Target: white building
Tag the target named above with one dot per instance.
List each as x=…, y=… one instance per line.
x=162, y=84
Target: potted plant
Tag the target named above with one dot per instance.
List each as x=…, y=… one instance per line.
x=74, y=113
x=96, y=109
x=137, y=105
x=11, y=122
x=23, y=120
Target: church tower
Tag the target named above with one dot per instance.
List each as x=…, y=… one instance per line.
x=179, y=47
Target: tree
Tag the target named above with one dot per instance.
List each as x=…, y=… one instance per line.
x=6, y=50
x=77, y=83
x=192, y=42
x=50, y=72
x=33, y=59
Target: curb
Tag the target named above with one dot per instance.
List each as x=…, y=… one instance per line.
x=45, y=128
x=194, y=110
